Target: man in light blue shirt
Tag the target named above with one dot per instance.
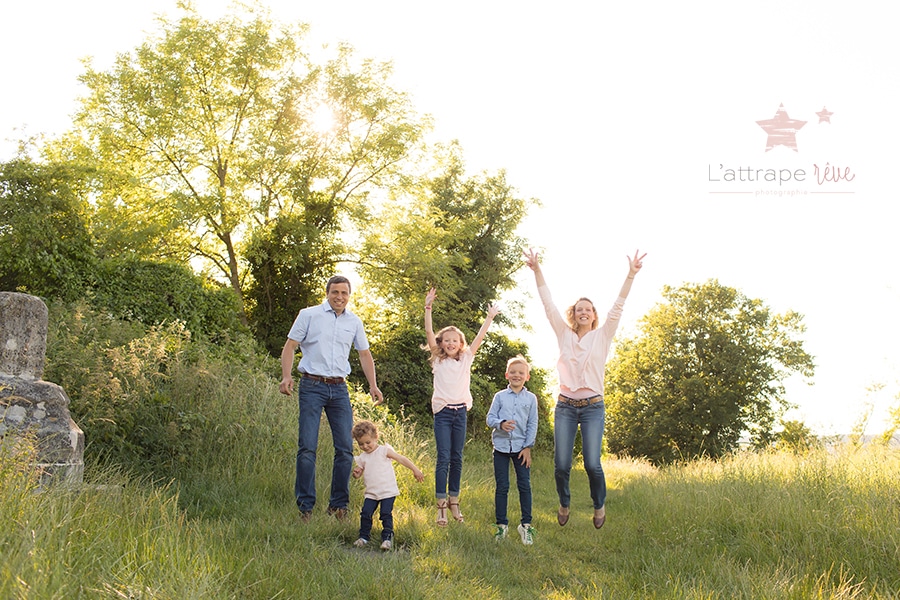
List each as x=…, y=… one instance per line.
x=325, y=334
x=513, y=416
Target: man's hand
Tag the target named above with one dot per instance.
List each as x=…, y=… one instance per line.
x=377, y=396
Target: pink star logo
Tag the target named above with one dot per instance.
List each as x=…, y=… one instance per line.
x=782, y=130
x=825, y=115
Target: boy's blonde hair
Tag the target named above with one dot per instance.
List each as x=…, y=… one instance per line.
x=437, y=352
x=518, y=359
x=364, y=428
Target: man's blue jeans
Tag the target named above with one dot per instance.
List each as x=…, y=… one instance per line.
x=523, y=483
x=386, y=515
x=449, y=438
x=592, y=420
x=334, y=399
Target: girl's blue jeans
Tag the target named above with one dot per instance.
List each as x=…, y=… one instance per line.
x=386, y=514
x=449, y=437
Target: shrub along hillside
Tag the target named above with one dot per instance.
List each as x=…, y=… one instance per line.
x=151, y=396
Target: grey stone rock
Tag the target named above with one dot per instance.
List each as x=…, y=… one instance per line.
x=23, y=335
x=29, y=405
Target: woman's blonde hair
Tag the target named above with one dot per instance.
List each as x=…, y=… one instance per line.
x=570, y=315
x=437, y=352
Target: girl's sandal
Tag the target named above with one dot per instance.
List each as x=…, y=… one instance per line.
x=442, y=513
x=456, y=515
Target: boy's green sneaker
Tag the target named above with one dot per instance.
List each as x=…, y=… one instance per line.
x=500, y=533
x=526, y=532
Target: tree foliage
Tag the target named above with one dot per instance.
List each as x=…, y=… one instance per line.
x=457, y=233
x=289, y=263
x=46, y=249
x=214, y=130
x=45, y=243
x=230, y=144
x=156, y=293
x=708, y=366
x=796, y=437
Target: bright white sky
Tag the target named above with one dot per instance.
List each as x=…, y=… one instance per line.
x=617, y=116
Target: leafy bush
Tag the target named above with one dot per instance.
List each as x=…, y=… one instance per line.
x=143, y=395
x=154, y=293
x=404, y=374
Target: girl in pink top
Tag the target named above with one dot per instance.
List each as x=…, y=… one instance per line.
x=451, y=362
x=583, y=348
x=375, y=465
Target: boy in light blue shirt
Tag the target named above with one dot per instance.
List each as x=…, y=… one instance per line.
x=513, y=416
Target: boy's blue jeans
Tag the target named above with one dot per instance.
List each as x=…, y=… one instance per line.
x=523, y=483
x=592, y=420
x=449, y=438
x=386, y=515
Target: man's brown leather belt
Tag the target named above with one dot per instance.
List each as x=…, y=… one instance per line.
x=328, y=380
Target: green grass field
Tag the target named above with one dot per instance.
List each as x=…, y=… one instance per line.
x=224, y=525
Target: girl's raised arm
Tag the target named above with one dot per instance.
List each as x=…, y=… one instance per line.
x=429, y=328
x=493, y=311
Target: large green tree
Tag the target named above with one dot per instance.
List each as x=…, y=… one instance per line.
x=449, y=230
x=46, y=249
x=289, y=262
x=458, y=233
x=211, y=131
x=707, y=367
x=45, y=243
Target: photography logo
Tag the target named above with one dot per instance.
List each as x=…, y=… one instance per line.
x=782, y=130
x=790, y=176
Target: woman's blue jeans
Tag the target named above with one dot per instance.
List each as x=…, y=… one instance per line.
x=523, y=483
x=592, y=420
x=449, y=437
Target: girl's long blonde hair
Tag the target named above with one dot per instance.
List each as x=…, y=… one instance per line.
x=437, y=352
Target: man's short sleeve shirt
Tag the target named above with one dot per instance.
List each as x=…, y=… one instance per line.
x=326, y=338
